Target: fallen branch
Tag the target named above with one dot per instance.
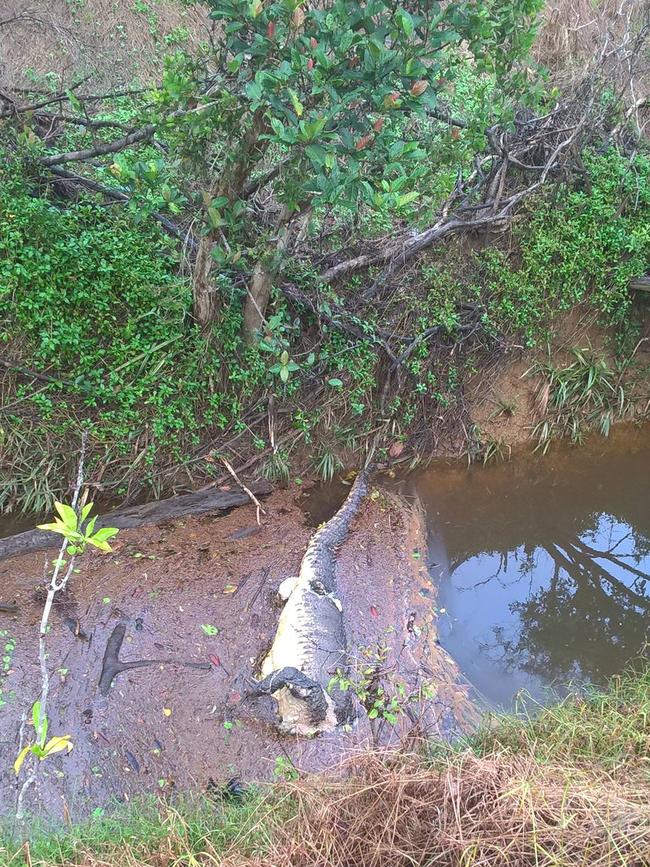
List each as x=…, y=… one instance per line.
x=156, y=512
x=145, y=133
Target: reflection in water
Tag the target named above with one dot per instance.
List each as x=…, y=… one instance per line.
x=548, y=571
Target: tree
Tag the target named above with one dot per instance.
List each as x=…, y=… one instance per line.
x=324, y=106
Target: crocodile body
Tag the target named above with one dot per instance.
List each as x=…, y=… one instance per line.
x=310, y=644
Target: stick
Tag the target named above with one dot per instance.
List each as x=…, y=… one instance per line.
x=254, y=499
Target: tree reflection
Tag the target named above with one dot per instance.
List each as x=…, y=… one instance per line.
x=593, y=615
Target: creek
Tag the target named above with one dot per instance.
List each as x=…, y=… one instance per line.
x=534, y=573
x=542, y=565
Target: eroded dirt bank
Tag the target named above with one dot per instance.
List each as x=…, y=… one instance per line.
x=203, y=591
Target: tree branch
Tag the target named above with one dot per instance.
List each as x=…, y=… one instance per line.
x=143, y=134
x=119, y=196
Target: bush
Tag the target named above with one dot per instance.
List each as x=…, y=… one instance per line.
x=583, y=244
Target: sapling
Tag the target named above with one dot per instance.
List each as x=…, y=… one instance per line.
x=78, y=531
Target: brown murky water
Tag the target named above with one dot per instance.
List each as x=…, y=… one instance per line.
x=543, y=564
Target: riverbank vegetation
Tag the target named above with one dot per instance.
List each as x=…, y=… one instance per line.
x=328, y=275
x=565, y=785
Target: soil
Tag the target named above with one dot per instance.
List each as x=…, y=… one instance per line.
x=202, y=590
x=501, y=401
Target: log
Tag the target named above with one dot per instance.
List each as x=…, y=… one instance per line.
x=640, y=284
x=198, y=503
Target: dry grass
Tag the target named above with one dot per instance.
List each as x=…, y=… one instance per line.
x=575, y=32
x=117, y=42
x=572, y=30
x=567, y=787
x=497, y=810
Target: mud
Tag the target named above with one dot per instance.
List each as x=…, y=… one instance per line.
x=196, y=600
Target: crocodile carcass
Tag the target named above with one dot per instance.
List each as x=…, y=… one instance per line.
x=310, y=644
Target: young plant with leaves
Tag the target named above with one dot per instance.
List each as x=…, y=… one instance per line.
x=78, y=531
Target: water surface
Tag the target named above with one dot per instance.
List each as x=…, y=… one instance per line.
x=543, y=565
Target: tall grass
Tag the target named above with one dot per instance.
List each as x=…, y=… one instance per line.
x=584, y=395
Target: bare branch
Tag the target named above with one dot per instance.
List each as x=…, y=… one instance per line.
x=145, y=133
x=119, y=196
x=56, y=586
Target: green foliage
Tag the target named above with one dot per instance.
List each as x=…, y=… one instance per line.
x=343, y=95
x=375, y=685
x=79, y=531
x=42, y=748
x=583, y=244
x=93, y=299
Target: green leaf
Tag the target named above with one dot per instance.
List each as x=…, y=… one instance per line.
x=100, y=538
x=335, y=383
x=56, y=527
x=214, y=218
x=86, y=511
x=68, y=515
x=36, y=714
x=297, y=105
x=284, y=373
x=43, y=735
x=209, y=629
x=407, y=198
x=90, y=527
x=106, y=533
x=406, y=22
x=277, y=127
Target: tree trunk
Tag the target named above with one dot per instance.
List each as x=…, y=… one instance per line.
x=264, y=274
x=230, y=184
x=265, y=271
x=204, y=295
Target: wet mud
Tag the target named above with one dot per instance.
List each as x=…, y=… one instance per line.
x=153, y=647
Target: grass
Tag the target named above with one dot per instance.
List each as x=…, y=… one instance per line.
x=605, y=728
x=153, y=832
x=566, y=787
x=583, y=395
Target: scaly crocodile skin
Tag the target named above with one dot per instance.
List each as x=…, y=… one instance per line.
x=310, y=637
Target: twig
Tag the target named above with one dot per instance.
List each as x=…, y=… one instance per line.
x=248, y=491
x=119, y=196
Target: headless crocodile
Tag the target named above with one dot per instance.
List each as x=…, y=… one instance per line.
x=309, y=644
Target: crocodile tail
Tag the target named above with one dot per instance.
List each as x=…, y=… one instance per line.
x=336, y=529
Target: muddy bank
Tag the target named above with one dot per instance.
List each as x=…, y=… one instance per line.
x=201, y=591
